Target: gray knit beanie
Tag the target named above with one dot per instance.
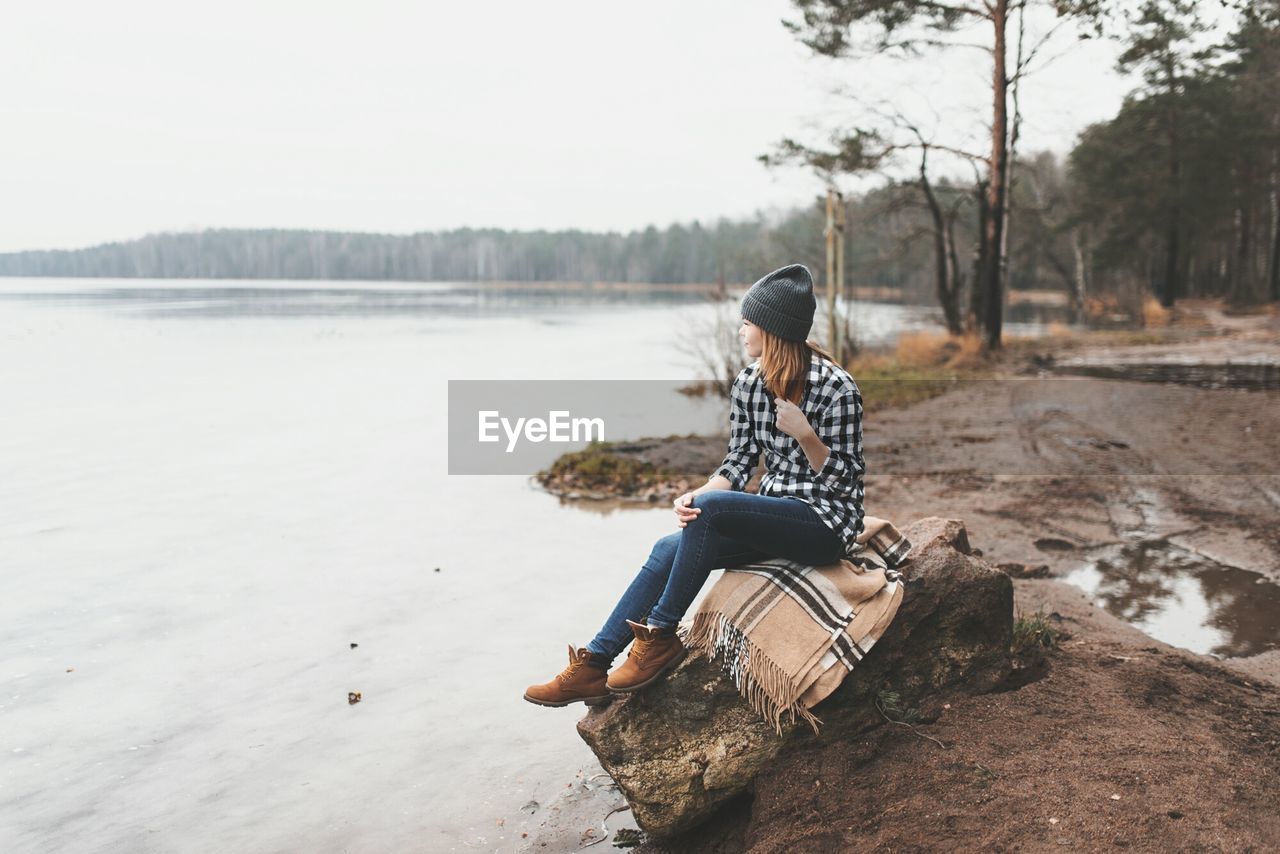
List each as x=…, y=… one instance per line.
x=782, y=303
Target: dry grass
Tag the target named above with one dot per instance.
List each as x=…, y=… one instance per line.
x=1058, y=329
x=1098, y=307
x=931, y=349
x=1140, y=309
x=923, y=365
x=1153, y=313
x=1132, y=338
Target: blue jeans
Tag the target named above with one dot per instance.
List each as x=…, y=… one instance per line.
x=733, y=528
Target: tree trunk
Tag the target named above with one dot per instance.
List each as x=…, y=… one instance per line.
x=957, y=287
x=839, y=352
x=1079, y=281
x=1169, y=289
x=831, y=268
x=1005, y=274
x=977, y=287
x=1273, y=264
x=992, y=283
x=1241, y=284
x=943, y=271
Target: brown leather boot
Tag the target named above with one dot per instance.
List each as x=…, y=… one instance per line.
x=653, y=652
x=583, y=680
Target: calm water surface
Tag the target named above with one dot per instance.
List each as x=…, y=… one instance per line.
x=213, y=490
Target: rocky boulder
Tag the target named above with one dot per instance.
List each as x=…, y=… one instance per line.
x=687, y=744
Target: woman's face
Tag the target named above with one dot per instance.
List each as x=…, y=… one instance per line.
x=752, y=338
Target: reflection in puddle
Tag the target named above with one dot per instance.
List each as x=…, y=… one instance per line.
x=1183, y=599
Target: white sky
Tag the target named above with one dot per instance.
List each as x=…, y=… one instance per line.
x=124, y=118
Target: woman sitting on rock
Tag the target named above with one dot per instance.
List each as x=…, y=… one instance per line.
x=804, y=412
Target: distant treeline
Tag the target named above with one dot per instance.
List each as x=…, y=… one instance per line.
x=887, y=248
x=729, y=251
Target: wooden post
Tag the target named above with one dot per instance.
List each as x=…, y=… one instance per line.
x=839, y=280
x=831, y=269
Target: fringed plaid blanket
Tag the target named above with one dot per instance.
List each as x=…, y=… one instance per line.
x=790, y=633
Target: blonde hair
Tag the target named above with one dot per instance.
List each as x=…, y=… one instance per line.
x=784, y=365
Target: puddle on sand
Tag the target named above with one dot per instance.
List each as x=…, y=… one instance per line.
x=1183, y=599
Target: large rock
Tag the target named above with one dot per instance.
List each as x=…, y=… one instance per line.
x=685, y=745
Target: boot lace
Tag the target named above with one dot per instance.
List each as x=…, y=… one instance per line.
x=573, y=667
x=640, y=648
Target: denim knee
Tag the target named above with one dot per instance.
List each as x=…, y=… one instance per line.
x=663, y=552
x=713, y=502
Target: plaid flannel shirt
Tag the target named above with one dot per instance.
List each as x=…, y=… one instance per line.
x=833, y=405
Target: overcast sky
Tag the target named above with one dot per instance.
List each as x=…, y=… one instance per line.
x=130, y=117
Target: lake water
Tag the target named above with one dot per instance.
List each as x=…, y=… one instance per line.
x=213, y=490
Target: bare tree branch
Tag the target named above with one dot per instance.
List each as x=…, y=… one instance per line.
x=1023, y=65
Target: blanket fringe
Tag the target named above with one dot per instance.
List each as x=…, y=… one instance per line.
x=761, y=682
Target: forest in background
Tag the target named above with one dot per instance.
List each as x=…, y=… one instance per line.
x=1177, y=195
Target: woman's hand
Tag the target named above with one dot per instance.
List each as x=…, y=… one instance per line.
x=685, y=512
x=792, y=420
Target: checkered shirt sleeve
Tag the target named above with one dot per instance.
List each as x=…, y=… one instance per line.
x=840, y=429
x=744, y=452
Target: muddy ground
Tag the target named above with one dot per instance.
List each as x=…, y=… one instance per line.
x=1125, y=744
x=1051, y=472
